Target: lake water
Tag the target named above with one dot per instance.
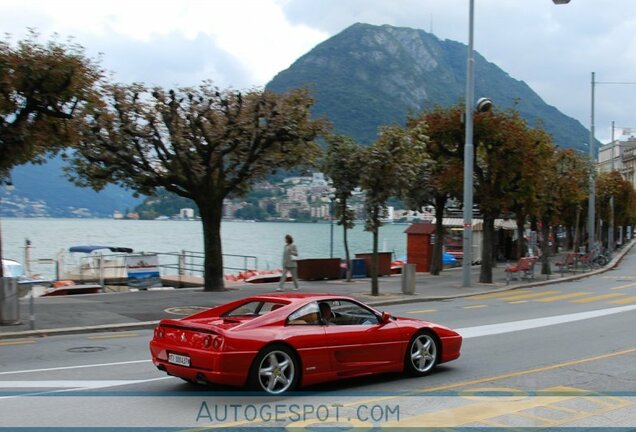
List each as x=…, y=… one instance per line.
x=264, y=240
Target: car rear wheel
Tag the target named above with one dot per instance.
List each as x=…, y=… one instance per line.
x=275, y=370
x=422, y=354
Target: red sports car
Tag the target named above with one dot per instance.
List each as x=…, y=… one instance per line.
x=276, y=342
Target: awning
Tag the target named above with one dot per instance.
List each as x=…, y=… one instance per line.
x=89, y=249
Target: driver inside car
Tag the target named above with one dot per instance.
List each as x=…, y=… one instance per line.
x=325, y=313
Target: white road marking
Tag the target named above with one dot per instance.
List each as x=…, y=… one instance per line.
x=494, y=329
x=70, y=385
x=87, y=384
x=75, y=367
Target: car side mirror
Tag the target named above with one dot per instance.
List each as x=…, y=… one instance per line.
x=386, y=317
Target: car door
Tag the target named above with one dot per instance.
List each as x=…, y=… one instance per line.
x=305, y=332
x=358, y=342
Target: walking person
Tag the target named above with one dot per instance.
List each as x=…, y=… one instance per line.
x=290, y=255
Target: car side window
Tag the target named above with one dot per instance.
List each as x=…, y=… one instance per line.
x=350, y=313
x=306, y=315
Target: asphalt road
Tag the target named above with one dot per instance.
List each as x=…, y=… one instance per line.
x=555, y=356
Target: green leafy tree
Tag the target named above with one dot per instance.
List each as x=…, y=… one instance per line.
x=625, y=204
x=43, y=87
x=342, y=166
x=500, y=138
x=538, y=186
x=608, y=186
x=571, y=191
x=442, y=134
x=389, y=167
x=199, y=143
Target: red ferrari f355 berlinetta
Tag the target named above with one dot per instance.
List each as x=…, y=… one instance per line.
x=277, y=342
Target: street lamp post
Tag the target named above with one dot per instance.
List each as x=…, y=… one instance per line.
x=331, y=202
x=8, y=186
x=592, y=198
x=591, y=232
x=467, y=243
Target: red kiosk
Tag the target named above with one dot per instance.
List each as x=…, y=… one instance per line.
x=419, y=245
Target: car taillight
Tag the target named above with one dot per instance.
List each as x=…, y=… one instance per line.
x=159, y=332
x=207, y=341
x=216, y=343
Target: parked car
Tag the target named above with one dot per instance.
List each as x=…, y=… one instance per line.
x=277, y=342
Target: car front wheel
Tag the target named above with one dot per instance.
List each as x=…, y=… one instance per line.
x=422, y=354
x=275, y=370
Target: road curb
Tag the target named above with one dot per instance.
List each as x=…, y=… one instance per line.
x=79, y=330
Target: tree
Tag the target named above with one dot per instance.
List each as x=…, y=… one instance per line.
x=442, y=135
x=571, y=191
x=342, y=166
x=501, y=139
x=199, y=143
x=538, y=187
x=42, y=90
x=608, y=185
x=388, y=168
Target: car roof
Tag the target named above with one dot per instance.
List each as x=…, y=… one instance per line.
x=298, y=297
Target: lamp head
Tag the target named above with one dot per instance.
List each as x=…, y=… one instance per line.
x=483, y=105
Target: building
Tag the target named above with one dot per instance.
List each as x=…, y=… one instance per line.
x=620, y=156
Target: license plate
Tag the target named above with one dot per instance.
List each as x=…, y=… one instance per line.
x=179, y=359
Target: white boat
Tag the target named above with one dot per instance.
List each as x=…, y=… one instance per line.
x=93, y=263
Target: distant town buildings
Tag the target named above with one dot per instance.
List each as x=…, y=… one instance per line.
x=620, y=156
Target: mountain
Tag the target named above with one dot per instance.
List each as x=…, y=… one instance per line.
x=42, y=190
x=362, y=78
x=368, y=76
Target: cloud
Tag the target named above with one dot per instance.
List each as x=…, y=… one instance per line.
x=244, y=43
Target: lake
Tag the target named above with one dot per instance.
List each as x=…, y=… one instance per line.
x=264, y=240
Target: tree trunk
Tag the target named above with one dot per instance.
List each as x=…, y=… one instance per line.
x=520, y=238
x=577, y=230
x=485, y=273
x=211, y=215
x=347, y=255
x=545, y=247
x=437, y=264
x=374, y=265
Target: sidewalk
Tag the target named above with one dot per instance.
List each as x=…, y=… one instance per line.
x=142, y=309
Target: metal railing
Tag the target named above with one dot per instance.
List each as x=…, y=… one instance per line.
x=109, y=267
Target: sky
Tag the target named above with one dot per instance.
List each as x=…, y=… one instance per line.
x=244, y=43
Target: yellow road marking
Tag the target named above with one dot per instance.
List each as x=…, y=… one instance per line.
x=494, y=295
x=562, y=297
x=475, y=306
x=17, y=342
x=489, y=409
x=528, y=296
x=422, y=311
x=624, y=301
x=624, y=286
x=114, y=336
x=529, y=371
x=518, y=302
x=466, y=383
x=597, y=298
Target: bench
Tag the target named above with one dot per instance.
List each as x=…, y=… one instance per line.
x=587, y=260
x=523, y=270
x=568, y=263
